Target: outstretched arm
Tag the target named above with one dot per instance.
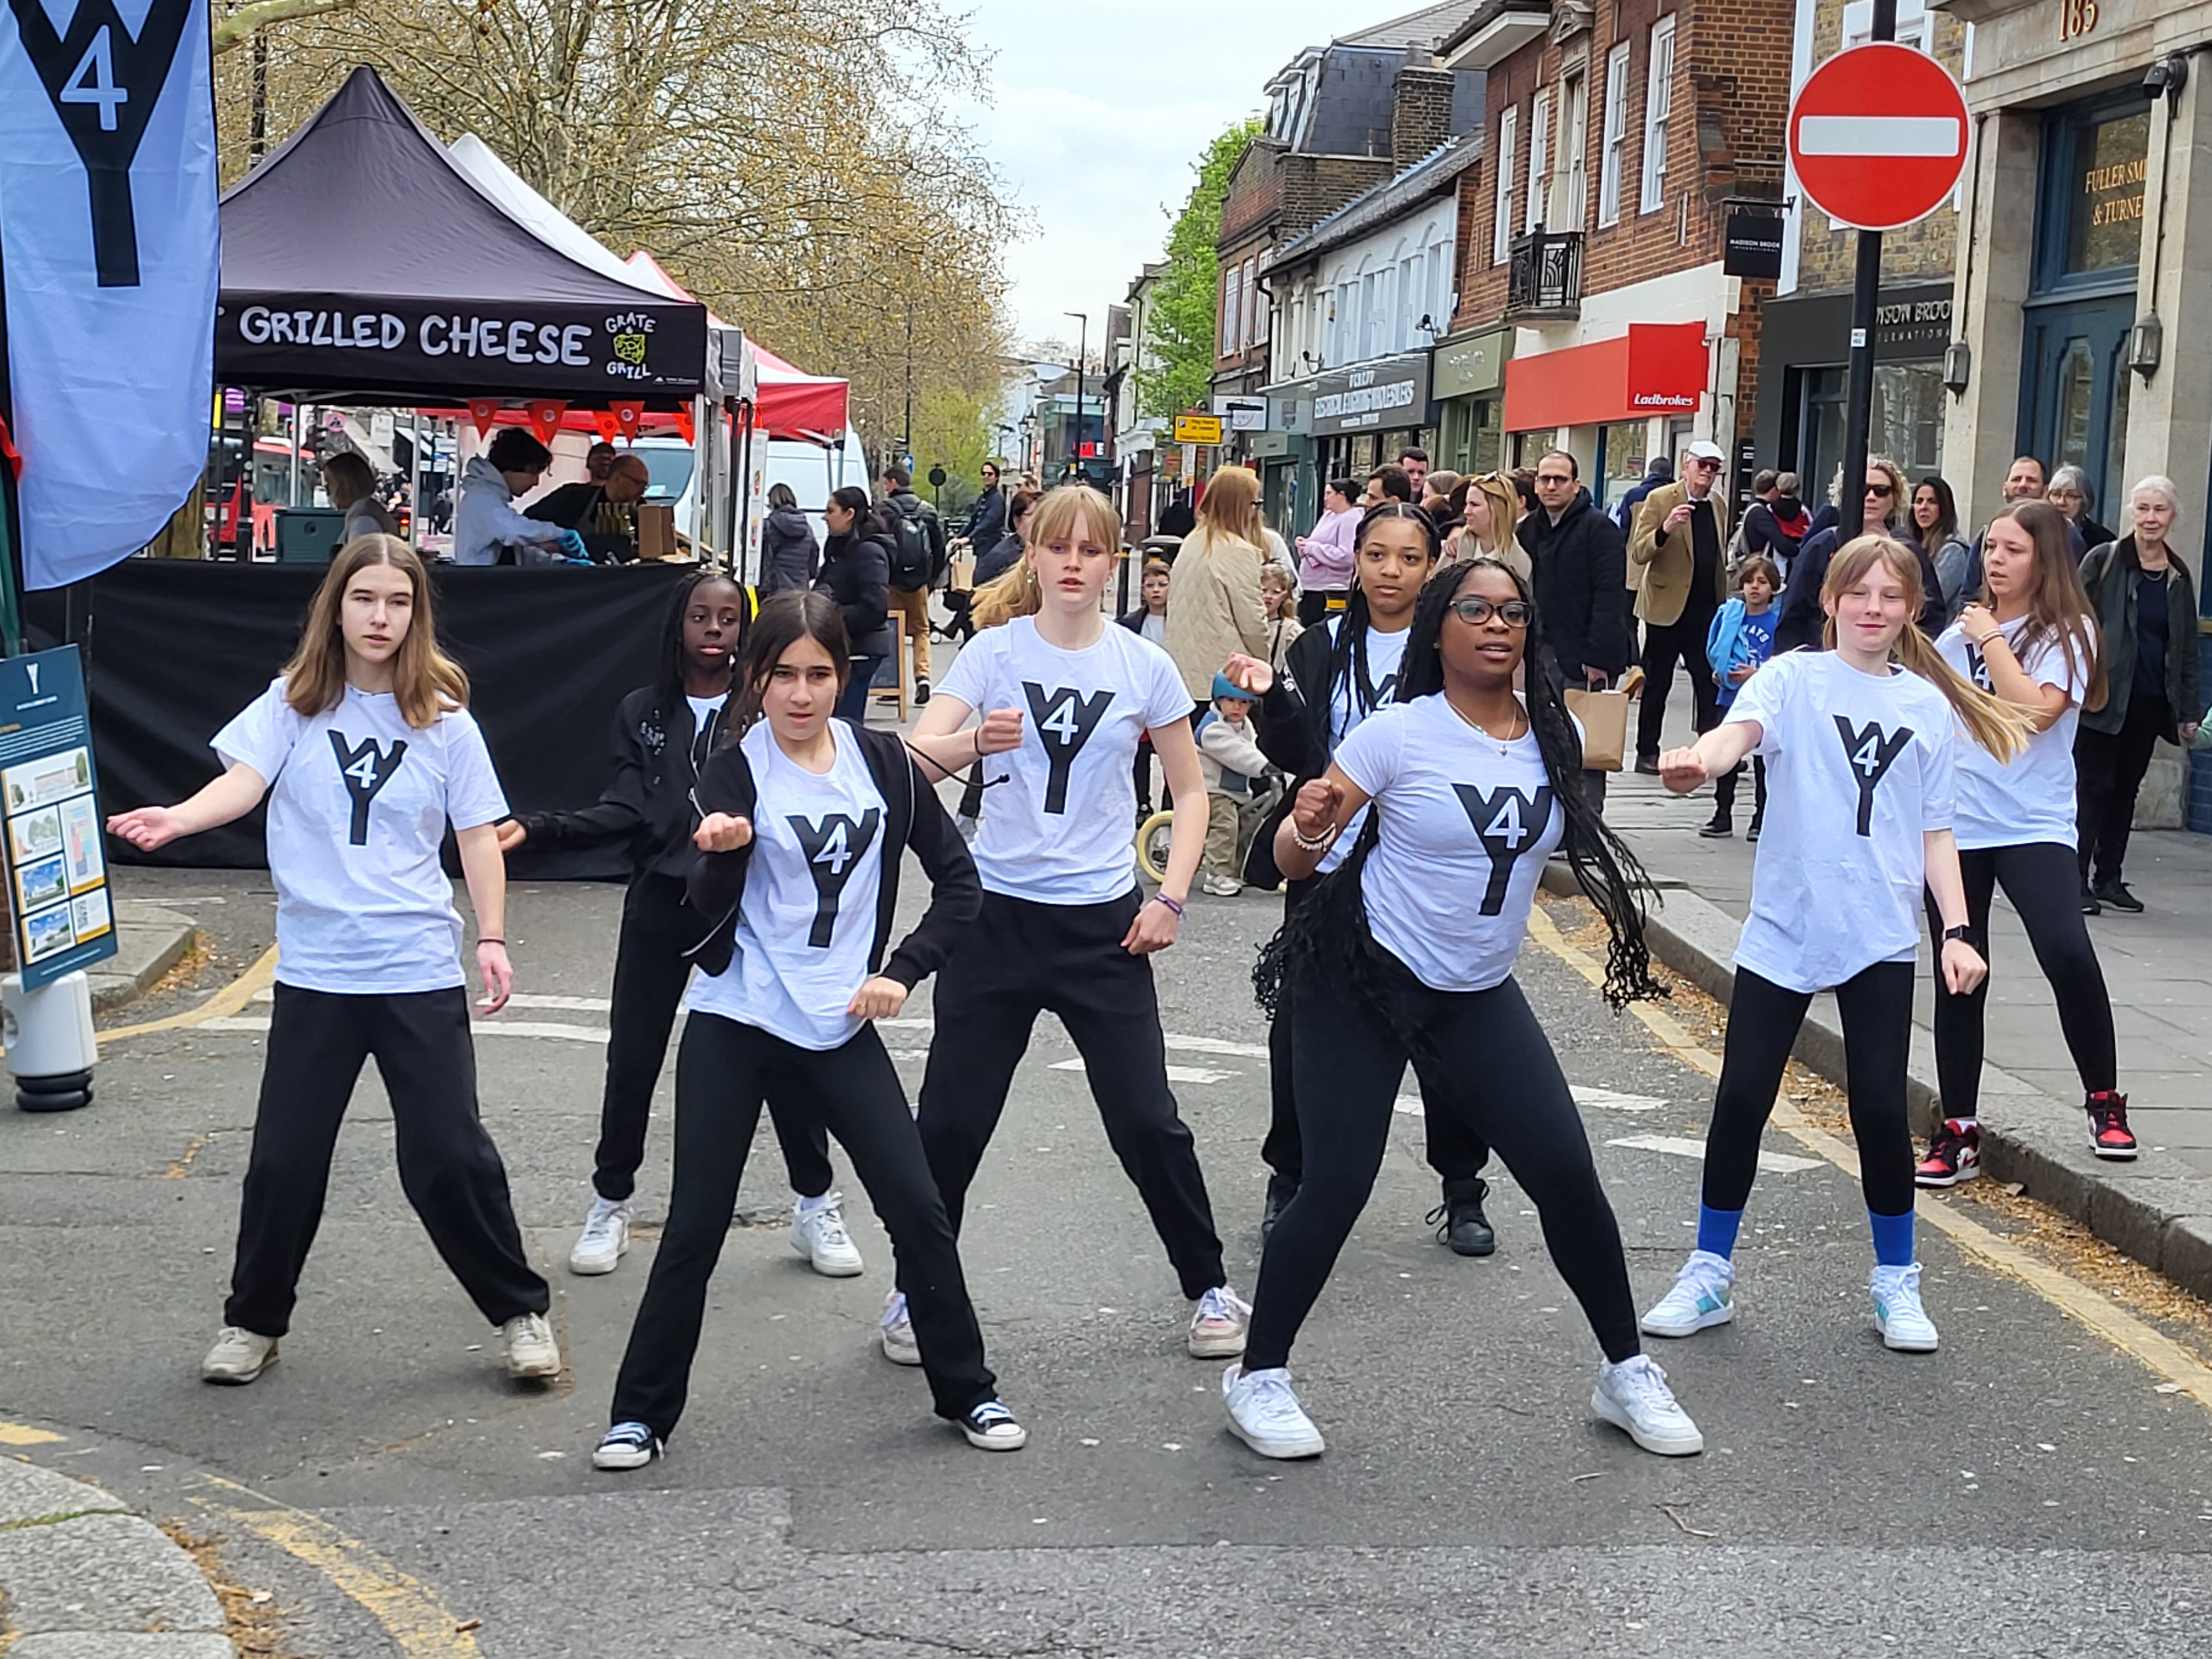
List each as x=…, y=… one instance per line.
x=1719, y=751
x=228, y=799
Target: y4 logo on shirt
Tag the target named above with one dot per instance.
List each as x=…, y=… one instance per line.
x=1065, y=721
x=1870, y=751
x=833, y=848
x=366, y=768
x=1977, y=667
x=1506, y=822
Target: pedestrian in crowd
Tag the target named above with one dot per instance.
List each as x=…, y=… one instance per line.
x=1437, y=489
x=1489, y=513
x=915, y=538
x=1064, y=698
x=1407, y=955
x=986, y=518
x=2070, y=494
x=1178, y=520
x=806, y=820
x=790, y=556
x=1213, y=601
x=1777, y=526
x=1741, y=637
x=1681, y=531
x=352, y=489
x=2023, y=482
x=1325, y=557
x=1763, y=485
x=1801, y=619
x=1149, y=620
x=1278, y=604
x=487, y=528
x=1387, y=484
x=1338, y=675
x=365, y=750
x=2034, y=644
x=1414, y=463
x=856, y=567
x=1229, y=760
x=1935, y=528
x=2146, y=608
x=1580, y=564
x=1659, y=471
x=601, y=508
x=997, y=561
x=1274, y=550
x=599, y=462
x=664, y=734
x=1861, y=794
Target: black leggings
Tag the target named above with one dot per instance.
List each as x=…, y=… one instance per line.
x=650, y=972
x=723, y=1069
x=1017, y=960
x=2039, y=880
x=2109, y=767
x=1763, y=1022
x=1456, y=1152
x=1492, y=1068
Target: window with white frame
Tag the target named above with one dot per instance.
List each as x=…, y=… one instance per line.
x=1501, y=230
x=1439, y=302
x=1261, y=309
x=1658, y=104
x=1913, y=28
x=1251, y=328
x=1413, y=287
x=1615, y=138
x=1572, y=205
x=1540, y=165
x=1228, y=306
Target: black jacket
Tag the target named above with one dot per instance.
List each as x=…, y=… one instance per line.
x=789, y=555
x=997, y=561
x=1763, y=530
x=914, y=817
x=1294, y=714
x=2111, y=574
x=1802, y=622
x=856, y=572
x=1580, y=569
x=905, y=504
x=986, y=520
x=648, y=802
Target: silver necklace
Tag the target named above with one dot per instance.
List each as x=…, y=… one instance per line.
x=1513, y=730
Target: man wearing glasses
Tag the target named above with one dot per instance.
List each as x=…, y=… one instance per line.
x=1580, y=573
x=1681, y=529
x=987, y=519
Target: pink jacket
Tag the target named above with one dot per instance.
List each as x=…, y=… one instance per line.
x=1325, y=562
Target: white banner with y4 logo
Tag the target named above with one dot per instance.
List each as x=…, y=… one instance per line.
x=109, y=246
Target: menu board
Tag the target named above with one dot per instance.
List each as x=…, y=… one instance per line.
x=49, y=793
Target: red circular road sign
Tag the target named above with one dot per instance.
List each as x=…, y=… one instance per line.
x=1878, y=137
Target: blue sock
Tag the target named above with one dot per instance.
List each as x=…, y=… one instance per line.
x=1717, y=1229
x=1893, y=1239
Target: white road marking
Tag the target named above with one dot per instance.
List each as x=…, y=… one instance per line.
x=1679, y=1146
x=1871, y=135
x=257, y=1024
x=519, y=999
x=1187, y=1045
x=1610, y=1100
x=1175, y=1073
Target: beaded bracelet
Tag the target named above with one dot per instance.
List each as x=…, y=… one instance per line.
x=1312, y=844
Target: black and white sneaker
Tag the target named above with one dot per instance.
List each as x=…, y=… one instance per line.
x=627, y=1446
x=991, y=1427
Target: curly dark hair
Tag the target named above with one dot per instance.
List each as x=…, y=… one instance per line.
x=1328, y=935
x=668, y=677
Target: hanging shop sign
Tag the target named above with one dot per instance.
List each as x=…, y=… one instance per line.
x=1387, y=395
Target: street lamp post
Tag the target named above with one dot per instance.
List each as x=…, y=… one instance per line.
x=1082, y=350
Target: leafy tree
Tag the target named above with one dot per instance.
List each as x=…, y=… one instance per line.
x=1179, y=329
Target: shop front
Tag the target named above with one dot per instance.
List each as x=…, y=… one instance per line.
x=1611, y=403
x=1468, y=384
x=1805, y=345
x=1284, y=454
x=1365, y=413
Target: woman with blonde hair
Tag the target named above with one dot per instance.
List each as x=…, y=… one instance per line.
x=1861, y=765
x=365, y=749
x=1489, y=511
x=1213, y=602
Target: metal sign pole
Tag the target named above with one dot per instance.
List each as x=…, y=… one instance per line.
x=1866, y=298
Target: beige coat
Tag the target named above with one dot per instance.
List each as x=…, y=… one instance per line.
x=1665, y=567
x=1213, y=608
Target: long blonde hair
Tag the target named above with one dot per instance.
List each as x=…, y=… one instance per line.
x=1231, y=507
x=425, y=681
x=1062, y=509
x=1995, y=725
x=1504, y=503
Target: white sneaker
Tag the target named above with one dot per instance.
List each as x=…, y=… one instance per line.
x=1218, y=1325
x=899, y=1345
x=992, y=1427
x=627, y=1446
x=238, y=1356
x=1221, y=886
x=1633, y=1396
x=606, y=1237
x=531, y=1351
x=1265, y=1414
x=1905, y=1324
x=1703, y=1295
x=819, y=1235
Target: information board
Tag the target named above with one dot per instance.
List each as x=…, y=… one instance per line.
x=49, y=793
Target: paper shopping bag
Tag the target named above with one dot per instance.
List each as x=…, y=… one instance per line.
x=1604, y=716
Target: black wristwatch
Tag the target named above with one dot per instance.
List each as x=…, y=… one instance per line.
x=1963, y=933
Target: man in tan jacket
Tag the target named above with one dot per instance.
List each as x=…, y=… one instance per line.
x=1679, y=545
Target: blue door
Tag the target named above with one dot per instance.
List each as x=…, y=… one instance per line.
x=2077, y=404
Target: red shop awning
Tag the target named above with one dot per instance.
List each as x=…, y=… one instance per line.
x=1656, y=368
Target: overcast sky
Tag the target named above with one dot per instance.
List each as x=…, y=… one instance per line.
x=1098, y=115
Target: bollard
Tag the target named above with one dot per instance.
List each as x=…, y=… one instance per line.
x=51, y=1048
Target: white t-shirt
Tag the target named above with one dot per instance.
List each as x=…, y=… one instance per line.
x=807, y=920
x=1060, y=832
x=1465, y=831
x=1384, y=653
x=1859, y=767
x=2033, y=798
x=1154, y=627
x=358, y=804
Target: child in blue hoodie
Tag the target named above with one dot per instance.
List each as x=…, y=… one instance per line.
x=1741, y=638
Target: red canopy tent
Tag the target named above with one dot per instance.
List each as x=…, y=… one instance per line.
x=791, y=403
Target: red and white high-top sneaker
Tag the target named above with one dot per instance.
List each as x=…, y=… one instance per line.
x=2109, y=1134
x=1954, y=1154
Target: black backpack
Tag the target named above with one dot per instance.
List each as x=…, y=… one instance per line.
x=910, y=560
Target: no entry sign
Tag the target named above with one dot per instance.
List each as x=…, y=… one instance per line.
x=1878, y=137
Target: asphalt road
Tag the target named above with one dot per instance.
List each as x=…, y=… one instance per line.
x=2028, y=1490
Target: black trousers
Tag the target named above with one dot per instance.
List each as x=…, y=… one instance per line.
x=1457, y=1151
x=2109, y=767
x=723, y=1070
x=1492, y=1068
x=448, y=1168
x=1876, y=1004
x=1017, y=961
x=1724, y=788
x=1313, y=602
x=651, y=971
x=1662, y=644
x=853, y=702
x=2039, y=880
x=1142, y=772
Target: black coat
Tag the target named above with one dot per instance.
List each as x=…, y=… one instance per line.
x=996, y=562
x=1580, y=569
x=1802, y=622
x=856, y=572
x=648, y=802
x=789, y=555
x=986, y=520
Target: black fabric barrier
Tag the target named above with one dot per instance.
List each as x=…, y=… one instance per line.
x=178, y=646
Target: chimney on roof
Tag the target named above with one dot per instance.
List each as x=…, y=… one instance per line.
x=1420, y=112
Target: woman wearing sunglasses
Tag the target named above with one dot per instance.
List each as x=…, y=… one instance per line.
x=1888, y=512
x=1407, y=954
